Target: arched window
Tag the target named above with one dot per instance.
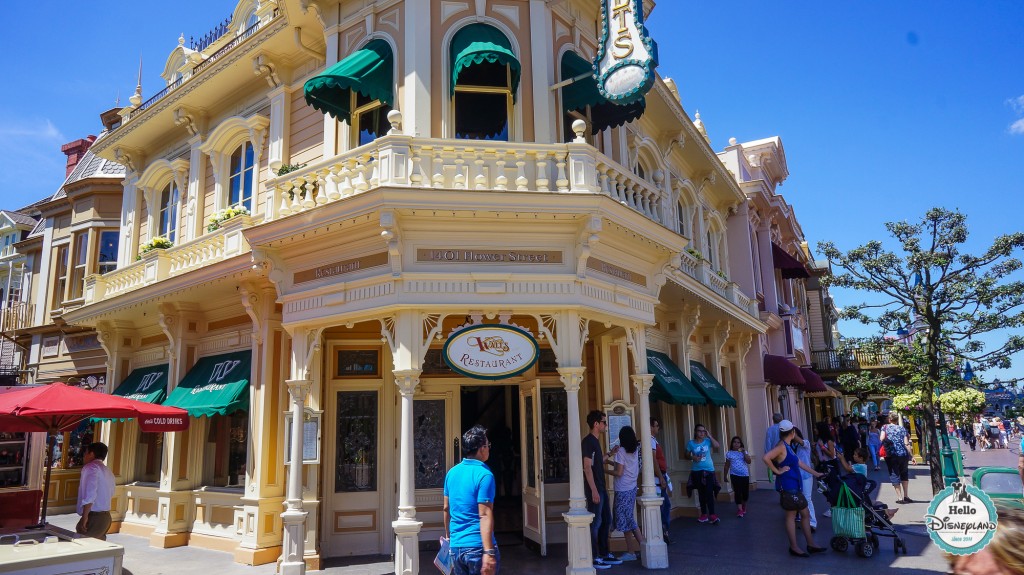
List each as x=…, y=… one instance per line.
x=681, y=217
x=240, y=177
x=168, y=219
x=485, y=78
x=710, y=248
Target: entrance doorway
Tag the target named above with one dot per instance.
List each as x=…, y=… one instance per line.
x=496, y=408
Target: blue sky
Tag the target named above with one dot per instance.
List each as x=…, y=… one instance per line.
x=885, y=108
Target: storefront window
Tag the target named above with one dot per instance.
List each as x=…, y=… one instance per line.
x=148, y=457
x=69, y=447
x=483, y=102
x=429, y=443
x=356, y=467
x=226, y=450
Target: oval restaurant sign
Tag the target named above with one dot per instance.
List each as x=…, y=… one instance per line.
x=627, y=56
x=490, y=351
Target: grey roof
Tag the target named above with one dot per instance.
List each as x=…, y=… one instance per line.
x=20, y=218
x=38, y=230
x=93, y=166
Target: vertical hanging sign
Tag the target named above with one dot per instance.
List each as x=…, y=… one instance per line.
x=627, y=56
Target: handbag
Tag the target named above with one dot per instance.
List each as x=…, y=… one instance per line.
x=792, y=500
x=445, y=561
x=882, y=451
x=847, y=516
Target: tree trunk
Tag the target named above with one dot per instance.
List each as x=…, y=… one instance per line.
x=933, y=456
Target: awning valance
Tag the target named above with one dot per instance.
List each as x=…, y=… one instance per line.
x=709, y=386
x=369, y=71
x=782, y=372
x=790, y=267
x=813, y=380
x=216, y=385
x=583, y=92
x=479, y=43
x=670, y=383
x=147, y=384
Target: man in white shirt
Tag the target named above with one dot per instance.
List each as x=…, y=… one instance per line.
x=95, y=490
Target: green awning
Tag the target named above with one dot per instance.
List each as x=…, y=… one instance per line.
x=369, y=71
x=147, y=384
x=479, y=43
x=670, y=384
x=583, y=92
x=709, y=386
x=217, y=385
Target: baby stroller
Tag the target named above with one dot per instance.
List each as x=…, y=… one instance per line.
x=876, y=522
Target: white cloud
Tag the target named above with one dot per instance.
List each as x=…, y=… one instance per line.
x=1017, y=104
x=1017, y=128
x=30, y=160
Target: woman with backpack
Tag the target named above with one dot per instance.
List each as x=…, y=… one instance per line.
x=898, y=449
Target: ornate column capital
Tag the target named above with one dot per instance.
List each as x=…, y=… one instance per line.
x=571, y=377
x=407, y=380
x=298, y=389
x=642, y=382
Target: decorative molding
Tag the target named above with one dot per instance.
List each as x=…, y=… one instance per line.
x=390, y=236
x=510, y=12
x=267, y=260
x=313, y=346
x=192, y=120
x=449, y=9
x=387, y=332
x=588, y=239
x=250, y=301
x=391, y=19
x=263, y=66
x=571, y=378
x=168, y=321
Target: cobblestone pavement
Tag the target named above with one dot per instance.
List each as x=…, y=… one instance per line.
x=755, y=544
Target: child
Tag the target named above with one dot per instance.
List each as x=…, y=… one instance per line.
x=874, y=443
x=737, y=471
x=860, y=465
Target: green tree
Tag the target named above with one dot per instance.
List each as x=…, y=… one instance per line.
x=948, y=296
x=961, y=404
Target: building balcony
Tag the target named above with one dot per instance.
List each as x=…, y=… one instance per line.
x=835, y=362
x=18, y=316
x=161, y=264
x=702, y=271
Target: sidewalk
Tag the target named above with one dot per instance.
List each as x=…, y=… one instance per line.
x=753, y=545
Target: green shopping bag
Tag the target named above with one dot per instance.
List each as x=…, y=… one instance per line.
x=847, y=516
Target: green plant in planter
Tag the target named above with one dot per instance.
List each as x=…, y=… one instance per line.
x=696, y=255
x=157, y=243
x=288, y=168
x=224, y=215
x=722, y=275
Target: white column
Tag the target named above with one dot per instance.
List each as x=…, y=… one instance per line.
x=407, y=528
x=418, y=70
x=280, y=125
x=330, y=124
x=293, y=546
x=655, y=552
x=129, y=234
x=195, y=196
x=544, y=124
x=581, y=558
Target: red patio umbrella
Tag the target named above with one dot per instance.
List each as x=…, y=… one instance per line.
x=57, y=407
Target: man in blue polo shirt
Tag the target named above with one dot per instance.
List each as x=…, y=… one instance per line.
x=469, y=508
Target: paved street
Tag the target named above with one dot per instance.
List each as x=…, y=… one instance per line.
x=755, y=544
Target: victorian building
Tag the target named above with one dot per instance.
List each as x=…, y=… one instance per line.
x=292, y=236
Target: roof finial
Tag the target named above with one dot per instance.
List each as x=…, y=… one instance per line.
x=700, y=126
x=117, y=98
x=181, y=39
x=136, y=98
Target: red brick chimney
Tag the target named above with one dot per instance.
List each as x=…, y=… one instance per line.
x=75, y=151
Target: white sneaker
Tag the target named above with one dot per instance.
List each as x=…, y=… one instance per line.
x=628, y=556
x=598, y=564
x=827, y=513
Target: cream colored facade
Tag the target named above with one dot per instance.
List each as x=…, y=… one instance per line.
x=383, y=250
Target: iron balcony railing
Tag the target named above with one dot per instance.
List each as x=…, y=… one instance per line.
x=850, y=360
x=200, y=67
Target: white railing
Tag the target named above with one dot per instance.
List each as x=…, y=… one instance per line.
x=161, y=264
x=397, y=160
x=701, y=270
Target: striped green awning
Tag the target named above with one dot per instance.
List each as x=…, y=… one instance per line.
x=670, y=383
x=216, y=385
x=369, y=71
x=479, y=43
x=709, y=386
